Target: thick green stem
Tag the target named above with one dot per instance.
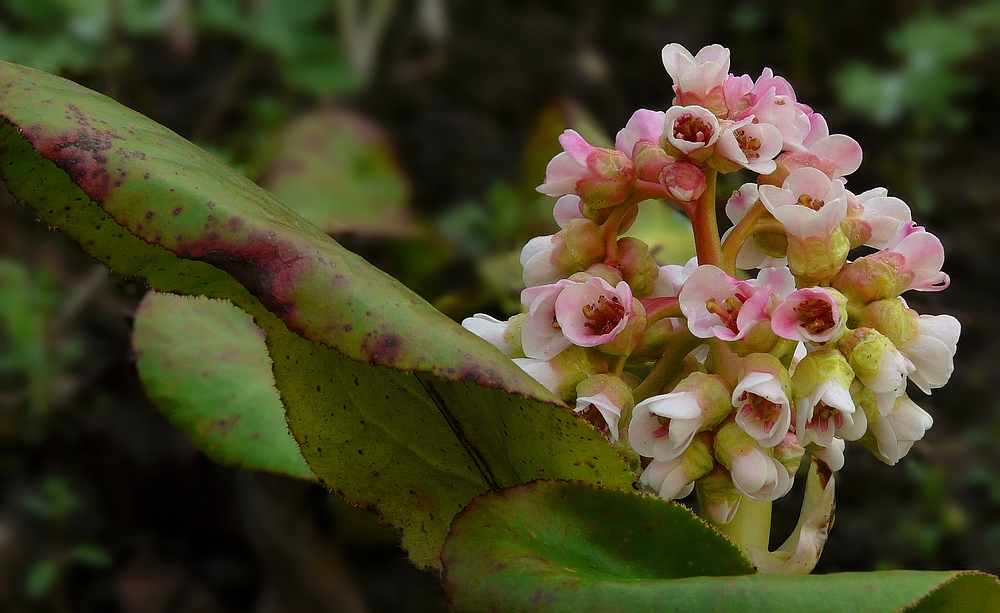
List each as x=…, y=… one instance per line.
x=668, y=366
x=751, y=526
x=706, y=226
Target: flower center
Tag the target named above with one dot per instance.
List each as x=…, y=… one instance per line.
x=664, y=429
x=815, y=315
x=761, y=408
x=822, y=415
x=692, y=129
x=748, y=144
x=728, y=310
x=808, y=201
x=604, y=315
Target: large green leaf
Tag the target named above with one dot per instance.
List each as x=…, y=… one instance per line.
x=338, y=170
x=570, y=547
x=392, y=404
x=203, y=362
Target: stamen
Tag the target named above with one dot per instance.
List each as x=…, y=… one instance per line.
x=692, y=129
x=748, y=144
x=808, y=201
x=815, y=315
x=728, y=311
x=604, y=315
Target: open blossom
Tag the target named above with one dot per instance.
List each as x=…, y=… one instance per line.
x=878, y=214
x=761, y=398
x=808, y=204
x=750, y=145
x=772, y=101
x=594, y=313
x=823, y=403
x=718, y=305
x=923, y=257
x=600, y=177
x=698, y=79
x=541, y=339
x=837, y=155
x=691, y=130
x=609, y=395
x=811, y=314
x=664, y=425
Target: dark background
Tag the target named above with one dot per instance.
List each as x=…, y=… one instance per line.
x=103, y=507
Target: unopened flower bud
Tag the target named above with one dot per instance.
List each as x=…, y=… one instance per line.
x=773, y=244
x=650, y=160
x=789, y=452
x=609, y=273
x=564, y=372
x=874, y=277
x=857, y=230
x=638, y=268
x=892, y=318
x=578, y=246
x=815, y=258
x=755, y=472
x=717, y=495
x=877, y=364
x=610, y=182
x=685, y=181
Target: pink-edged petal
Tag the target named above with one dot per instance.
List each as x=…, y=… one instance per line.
x=840, y=153
x=644, y=125
x=566, y=209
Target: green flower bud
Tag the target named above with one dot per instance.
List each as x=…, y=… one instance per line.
x=637, y=266
x=818, y=367
x=816, y=259
x=612, y=180
x=717, y=495
x=698, y=460
x=892, y=318
x=578, y=246
x=650, y=161
x=857, y=231
x=874, y=277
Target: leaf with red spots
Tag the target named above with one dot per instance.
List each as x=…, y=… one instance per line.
x=204, y=364
x=569, y=547
x=393, y=405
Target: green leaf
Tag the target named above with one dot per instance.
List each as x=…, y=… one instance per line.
x=574, y=548
x=338, y=170
x=393, y=405
x=40, y=578
x=89, y=554
x=204, y=364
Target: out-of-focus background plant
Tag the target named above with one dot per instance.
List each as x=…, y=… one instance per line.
x=415, y=132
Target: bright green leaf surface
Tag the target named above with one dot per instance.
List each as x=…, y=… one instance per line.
x=570, y=547
x=204, y=364
x=393, y=404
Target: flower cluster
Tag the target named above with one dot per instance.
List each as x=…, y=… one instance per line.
x=721, y=374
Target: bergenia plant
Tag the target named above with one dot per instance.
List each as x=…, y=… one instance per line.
x=531, y=463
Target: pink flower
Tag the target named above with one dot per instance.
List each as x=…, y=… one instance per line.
x=808, y=204
x=609, y=395
x=541, y=336
x=813, y=314
x=698, y=79
x=932, y=351
x=837, y=155
x=600, y=177
x=923, y=255
x=566, y=209
x=718, y=305
x=685, y=181
x=664, y=425
x=643, y=127
x=763, y=408
x=881, y=213
x=896, y=431
x=750, y=145
x=593, y=313
x=691, y=130
x=772, y=101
